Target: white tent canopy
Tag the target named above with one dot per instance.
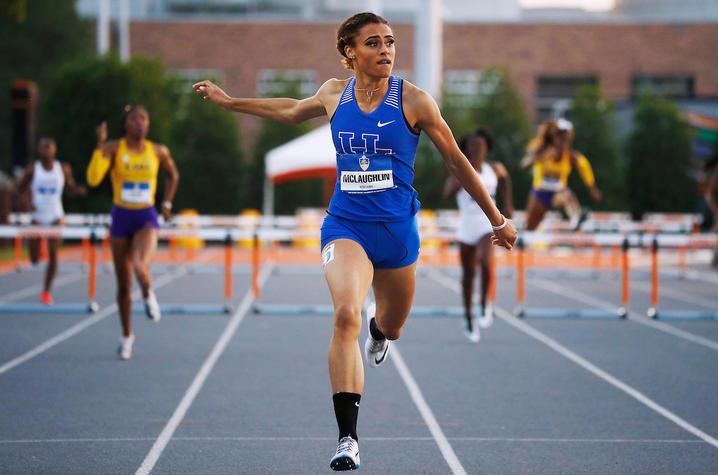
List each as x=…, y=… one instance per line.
x=310, y=155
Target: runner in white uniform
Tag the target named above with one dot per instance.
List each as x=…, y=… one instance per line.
x=47, y=178
x=474, y=234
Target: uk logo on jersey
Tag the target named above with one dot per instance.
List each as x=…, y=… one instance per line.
x=367, y=144
x=364, y=162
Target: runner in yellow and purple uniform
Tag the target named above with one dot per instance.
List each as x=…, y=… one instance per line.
x=552, y=160
x=134, y=163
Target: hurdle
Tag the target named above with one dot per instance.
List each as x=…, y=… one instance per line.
x=275, y=309
x=94, y=235
x=44, y=232
x=596, y=242
x=681, y=243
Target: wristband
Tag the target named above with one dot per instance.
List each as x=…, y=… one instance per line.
x=502, y=225
x=167, y=204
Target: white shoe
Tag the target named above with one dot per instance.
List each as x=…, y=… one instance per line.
x=125, y=349
x=473, y=335
x=347, y=456
x=488, y=318
x=152, y=307
x=375, y=351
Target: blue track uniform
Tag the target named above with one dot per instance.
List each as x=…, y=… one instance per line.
x=374, y=202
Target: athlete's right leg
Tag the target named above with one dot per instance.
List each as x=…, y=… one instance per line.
x=349, y=274
x=52, y=245
x=122, y=259
x=535, y=211
x=33, y=250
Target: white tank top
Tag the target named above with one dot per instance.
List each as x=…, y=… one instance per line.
x=47, y=193
x=490, y=181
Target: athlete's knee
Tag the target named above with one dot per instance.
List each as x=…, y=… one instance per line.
x=124, y=289
x=347, y=321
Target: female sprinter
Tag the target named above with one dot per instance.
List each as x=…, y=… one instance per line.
x=47, y=178
x=552, y=158
x=369, y=236
x=475, y=231
x=133, y=162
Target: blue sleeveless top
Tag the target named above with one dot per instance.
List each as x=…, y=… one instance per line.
x=375, y=159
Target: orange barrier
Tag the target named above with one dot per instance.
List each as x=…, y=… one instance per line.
x=653, y=310
x=17, y=254
x=106, y=254
x=625, y=280
x=228, y=270
x=43, y=249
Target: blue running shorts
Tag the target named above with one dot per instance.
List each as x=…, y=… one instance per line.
x=389, y=245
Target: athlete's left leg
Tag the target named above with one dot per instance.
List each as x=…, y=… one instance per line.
x=144, y=244
x=394, y=293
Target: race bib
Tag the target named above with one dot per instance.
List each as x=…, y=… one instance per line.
x=551, y=183
x=365, y=174
x=136, y=193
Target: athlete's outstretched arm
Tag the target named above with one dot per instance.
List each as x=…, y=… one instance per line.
x=26, y=178
x=172, y=180
x=102, y=157
x=586, y=172
x=293, y=111
x=423, y=113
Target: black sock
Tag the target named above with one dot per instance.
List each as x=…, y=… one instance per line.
x=346, y=409
x=374, y=330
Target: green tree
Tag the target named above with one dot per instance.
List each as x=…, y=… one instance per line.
x=205, y=146
x=595, y=137
x=37, y=36
x=659, y=151
x=86, y=91
x=498, y=106
x=291, y=195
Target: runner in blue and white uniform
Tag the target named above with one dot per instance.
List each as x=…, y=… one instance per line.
x=369, y=237
x=47, y=178
x=474, y=233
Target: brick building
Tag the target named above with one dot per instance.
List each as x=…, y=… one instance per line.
x=547, y=61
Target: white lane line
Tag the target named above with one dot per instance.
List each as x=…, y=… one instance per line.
x=632, y=316
x=678, y=295
x=593, y=369
x=35, y=289
x=181, y=410
x=82, y=325
x=538, y=440
x=444, y=446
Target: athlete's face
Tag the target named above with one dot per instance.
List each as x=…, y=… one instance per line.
x=137, y=123
x=563, y=139
x=478, y=149
x=47, y=149
x=373, y=50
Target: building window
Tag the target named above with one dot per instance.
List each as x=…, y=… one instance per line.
x=675, y=87
x=555, y=93
x=298, y=83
